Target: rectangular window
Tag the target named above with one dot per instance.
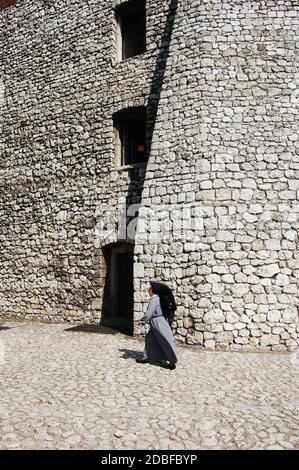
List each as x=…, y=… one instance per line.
x=7, y=3
x=130, y=136
x=131, y=20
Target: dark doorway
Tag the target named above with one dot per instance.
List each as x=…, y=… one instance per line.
x=118, y=302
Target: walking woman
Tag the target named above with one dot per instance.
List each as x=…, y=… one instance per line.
x=159, y=342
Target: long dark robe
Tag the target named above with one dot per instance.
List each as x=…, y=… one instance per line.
x=159, y=342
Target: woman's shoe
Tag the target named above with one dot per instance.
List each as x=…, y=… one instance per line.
x=172, y=366
x=142, y=360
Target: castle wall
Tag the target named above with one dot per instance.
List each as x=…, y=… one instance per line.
x=61, y=85
x=226, y=141
x=221, y=83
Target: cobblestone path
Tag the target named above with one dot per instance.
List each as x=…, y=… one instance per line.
x=69, y=389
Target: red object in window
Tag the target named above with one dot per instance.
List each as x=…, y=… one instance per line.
x=7, y=3
x=130, y=125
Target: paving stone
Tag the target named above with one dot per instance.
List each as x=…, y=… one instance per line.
x=92, y=392
x=223, y=137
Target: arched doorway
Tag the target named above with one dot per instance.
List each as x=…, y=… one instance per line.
x=118, y=300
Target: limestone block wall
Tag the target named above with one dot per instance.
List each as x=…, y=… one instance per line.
x=220, y=79
x=226, y=140
x=60, y=86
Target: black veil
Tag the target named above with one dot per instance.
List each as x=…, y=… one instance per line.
x=167, y=300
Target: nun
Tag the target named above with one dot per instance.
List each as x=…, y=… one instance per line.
x=159, y=342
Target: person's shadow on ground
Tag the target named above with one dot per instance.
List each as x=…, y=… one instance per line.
x=133, y=354
x=130, y=354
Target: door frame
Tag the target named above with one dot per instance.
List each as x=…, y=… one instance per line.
x=110, y=316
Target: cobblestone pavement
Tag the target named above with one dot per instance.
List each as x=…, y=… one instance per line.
x=68, y=389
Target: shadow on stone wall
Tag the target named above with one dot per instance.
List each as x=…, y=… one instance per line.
x=137, y=175
x=137, y=179
x=160, y=69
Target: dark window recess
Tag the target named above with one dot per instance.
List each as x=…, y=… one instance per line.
x=7, y=3
x=133, y=141
x=132, y=23
x=130, y=126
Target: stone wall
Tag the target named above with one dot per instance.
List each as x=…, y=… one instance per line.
x=226, y=139
x=61, y=86
x=220, y=80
